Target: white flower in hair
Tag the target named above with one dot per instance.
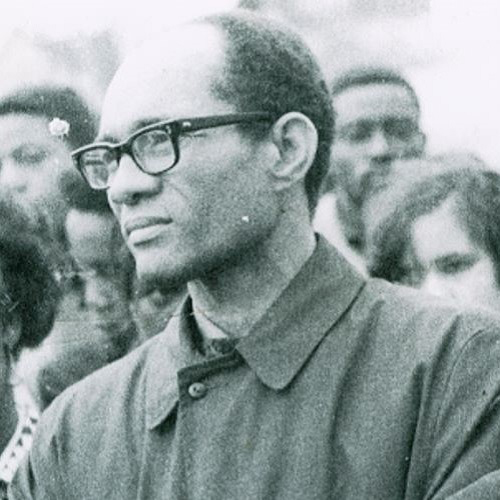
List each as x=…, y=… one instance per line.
x=58, y=127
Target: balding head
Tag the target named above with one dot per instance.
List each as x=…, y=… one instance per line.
x=177, y=62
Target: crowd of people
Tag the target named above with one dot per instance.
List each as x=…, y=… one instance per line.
x=206, y=291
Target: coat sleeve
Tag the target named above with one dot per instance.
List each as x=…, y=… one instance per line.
x=38, y=476
x=465, y=457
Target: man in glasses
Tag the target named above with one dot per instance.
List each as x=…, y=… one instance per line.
x=284, y=374
x=377, y=122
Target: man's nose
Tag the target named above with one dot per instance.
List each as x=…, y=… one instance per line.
x=100, y=296
x=129, y=183
x=379, y=145
x=433, y=285
x=12, y=177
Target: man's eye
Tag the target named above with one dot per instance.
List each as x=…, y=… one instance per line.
x=400, y=128
x=30, y=156
x=357, y=132
x=456, y=265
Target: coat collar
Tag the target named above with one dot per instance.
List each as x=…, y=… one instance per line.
x=171, y=350
x=278, y=345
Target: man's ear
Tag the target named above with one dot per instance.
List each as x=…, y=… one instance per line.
x=420, y=143
x=296, y=140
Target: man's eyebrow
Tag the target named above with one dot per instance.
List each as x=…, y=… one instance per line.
x=136, y=125
x=466, y=256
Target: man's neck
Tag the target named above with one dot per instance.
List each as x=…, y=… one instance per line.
x=236, y=297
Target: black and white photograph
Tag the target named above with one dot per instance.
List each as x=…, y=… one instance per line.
x=250, y=250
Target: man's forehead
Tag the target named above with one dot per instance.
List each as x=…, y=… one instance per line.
x=169, y=76
x=374, y=101
x=22, y=127
x=439, y=232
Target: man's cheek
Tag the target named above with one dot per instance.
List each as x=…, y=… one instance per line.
x=350, y=175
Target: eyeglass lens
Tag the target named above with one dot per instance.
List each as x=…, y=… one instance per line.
x=152, y=150
x=392, y=128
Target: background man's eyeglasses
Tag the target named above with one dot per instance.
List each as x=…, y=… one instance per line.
x=154, y=149
x=361, y=131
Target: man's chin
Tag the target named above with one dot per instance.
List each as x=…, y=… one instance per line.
x=153, y=275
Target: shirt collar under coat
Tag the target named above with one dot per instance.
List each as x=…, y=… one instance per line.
x=279, y=343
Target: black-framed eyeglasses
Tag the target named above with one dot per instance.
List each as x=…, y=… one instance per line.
x=154, y=149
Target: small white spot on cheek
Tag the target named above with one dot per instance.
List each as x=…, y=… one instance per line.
x=245, y=218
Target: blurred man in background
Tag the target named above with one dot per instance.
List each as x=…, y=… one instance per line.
x=104, y=330
x=105, y=268
x=377, y=122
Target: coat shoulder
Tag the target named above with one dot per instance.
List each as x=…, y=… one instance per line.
x=104, y=395
x=421, y=322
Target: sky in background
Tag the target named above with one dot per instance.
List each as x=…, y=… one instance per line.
x=135, y=19
x=132, y=19
x=459, y=84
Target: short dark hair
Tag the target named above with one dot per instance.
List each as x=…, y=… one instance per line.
x=477, y=194
x=30, y=292
x=372, y=75
x=50, y=102
x=269, y=68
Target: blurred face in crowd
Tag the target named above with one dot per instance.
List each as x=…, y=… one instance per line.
x=94, y=244
x=443, y=260
x=375, y=125
x=216, y=203
x=31, y=160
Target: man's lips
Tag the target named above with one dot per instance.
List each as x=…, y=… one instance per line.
x=142, y=229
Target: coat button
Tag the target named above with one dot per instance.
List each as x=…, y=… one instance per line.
x=197, y=390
